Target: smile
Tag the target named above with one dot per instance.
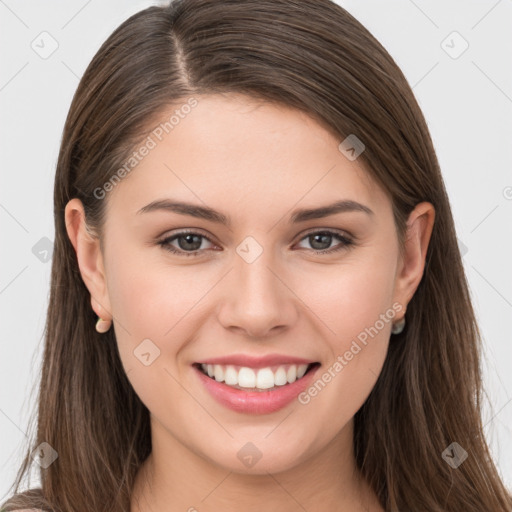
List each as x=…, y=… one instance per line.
x=255, y=390
x=255, y=378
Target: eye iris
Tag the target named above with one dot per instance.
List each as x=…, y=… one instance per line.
x=195, y=245
x=324, y=238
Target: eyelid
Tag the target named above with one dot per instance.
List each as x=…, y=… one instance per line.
x=183, y=231
x=341, y=232
x=347, y=240
x=302, y=235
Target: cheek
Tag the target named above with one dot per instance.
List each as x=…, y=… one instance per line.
x=153, y=304
x=351, y=296
x=156, y=300
x=149, y=295
x=354, y=310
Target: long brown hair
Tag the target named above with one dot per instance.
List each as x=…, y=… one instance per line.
x=313, y=56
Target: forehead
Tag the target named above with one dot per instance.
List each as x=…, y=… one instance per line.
x=232, y=151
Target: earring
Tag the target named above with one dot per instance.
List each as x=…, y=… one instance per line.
x=398, y=327
x=102, y=325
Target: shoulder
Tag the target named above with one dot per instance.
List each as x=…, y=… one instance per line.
x=31, y=500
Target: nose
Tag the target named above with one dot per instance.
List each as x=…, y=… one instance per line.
x=256, y=299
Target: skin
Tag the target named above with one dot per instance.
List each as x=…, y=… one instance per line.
x=255, y=162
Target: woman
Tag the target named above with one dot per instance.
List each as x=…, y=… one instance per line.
x=257, y=296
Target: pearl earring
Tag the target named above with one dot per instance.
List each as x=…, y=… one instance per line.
x=398, y=327
x=102, y=325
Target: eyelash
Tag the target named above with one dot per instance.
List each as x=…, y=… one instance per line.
x=346, y=242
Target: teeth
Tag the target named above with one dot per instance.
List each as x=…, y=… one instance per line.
x=231, y=376
x=291, y=374
x=280, y=377
x=247, y=378
x=263, y=378
x=301, y=370
x=218, y=373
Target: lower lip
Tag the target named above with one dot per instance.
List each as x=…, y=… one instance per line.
x=256, y=402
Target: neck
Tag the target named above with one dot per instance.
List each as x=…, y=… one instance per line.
x=173, y=478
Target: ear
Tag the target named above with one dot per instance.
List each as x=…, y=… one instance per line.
x=89, y=256
x=412, y=263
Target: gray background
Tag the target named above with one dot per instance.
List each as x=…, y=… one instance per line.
x=466, y=98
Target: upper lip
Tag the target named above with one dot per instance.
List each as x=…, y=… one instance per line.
x=255, y=361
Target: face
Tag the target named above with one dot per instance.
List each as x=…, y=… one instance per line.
x=262, y=277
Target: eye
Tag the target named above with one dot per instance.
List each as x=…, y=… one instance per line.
x=190, y=243
x=321, y=240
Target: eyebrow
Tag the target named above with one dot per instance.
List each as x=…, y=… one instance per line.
x=301, y=215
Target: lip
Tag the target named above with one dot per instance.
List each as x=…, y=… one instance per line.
x=255, y=361
x=256, y=402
